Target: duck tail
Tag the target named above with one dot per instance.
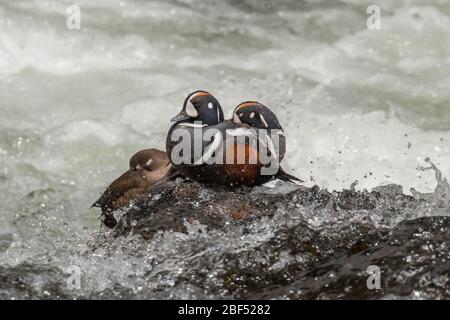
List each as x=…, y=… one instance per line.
x=282, y=175
x=172, y=174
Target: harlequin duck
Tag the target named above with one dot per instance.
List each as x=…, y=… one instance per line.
x=200, y=110
x=204, y=147
x=258, y=116
x=146, y=168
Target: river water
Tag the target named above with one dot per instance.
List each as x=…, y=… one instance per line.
x=356, y=104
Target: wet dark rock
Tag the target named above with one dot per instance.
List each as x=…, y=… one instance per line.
x=413, y=259
x=32, y=281
x=302, y=261
x=175, y=204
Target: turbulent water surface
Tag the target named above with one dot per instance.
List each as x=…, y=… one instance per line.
x=357, y=105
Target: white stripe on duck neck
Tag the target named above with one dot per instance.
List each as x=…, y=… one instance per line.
x=193, y=125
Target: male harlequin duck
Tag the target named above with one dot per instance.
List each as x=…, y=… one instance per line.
x=146, y=168
x=204, y=147
x=258, y=116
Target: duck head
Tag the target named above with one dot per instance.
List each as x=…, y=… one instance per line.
x=200, y=106
x=256, y=115
x=149, y=159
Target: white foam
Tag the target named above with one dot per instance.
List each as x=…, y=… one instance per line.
x=82, y=129
x=48, y=46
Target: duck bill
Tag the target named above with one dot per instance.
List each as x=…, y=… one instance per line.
x=180, y=117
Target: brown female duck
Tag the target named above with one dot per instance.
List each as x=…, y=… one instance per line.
x=146, y=168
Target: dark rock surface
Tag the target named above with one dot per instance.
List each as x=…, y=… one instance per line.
x=186, y=240
x=329, y=261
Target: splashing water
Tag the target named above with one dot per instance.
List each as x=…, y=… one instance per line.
x=356, y=104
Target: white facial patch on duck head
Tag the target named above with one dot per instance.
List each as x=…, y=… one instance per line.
x=236, y=118
x=190, y=110
x=149, y=162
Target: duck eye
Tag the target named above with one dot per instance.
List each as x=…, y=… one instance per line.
x=252, y=115
x=210, y=105
x=241, y=115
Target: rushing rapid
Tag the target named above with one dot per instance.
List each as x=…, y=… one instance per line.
x=362, y=105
